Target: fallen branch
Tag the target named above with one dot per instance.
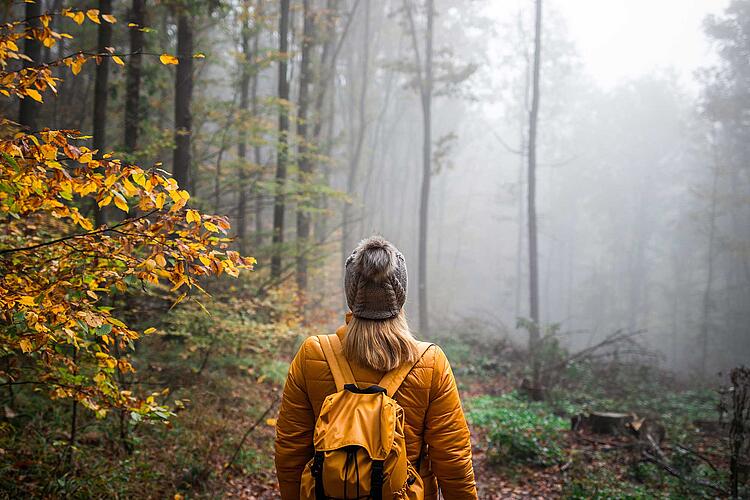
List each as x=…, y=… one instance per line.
x=675, y=473
x=249, y=431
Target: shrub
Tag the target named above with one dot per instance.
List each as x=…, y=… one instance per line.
x=518, y=431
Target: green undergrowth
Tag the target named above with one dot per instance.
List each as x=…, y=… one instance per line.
x=517, y=431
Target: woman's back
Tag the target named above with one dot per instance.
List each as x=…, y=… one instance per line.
x=437, y=437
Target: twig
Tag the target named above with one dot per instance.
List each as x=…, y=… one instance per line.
x=79, y=235
x=249, y=431
x=675, y=473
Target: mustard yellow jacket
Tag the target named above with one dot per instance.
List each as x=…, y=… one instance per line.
x=433, y=418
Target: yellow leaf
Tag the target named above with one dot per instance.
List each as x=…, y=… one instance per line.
x=167, y=59
x=160, y=260
x=76, y=16
x=117, y=60
x=93, y=14
x=193, y=216
x=105, y=201
x=25, y=345
x=86, y=158
x=76, y=66
x=130, y=189
x=271, y=422
x=149, y=331
x=27, y=301
x=121, y=203
x=34, y=94
x=160, y=199
x=86, y=224
x=211, y=227
x=140, y=179
x=109, y=18
x=205, y=260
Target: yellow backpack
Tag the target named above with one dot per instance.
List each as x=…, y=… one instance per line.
x=360, y=449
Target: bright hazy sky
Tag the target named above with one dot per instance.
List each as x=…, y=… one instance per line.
x=622, y=39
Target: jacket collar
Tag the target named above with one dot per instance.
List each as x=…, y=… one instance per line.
x=341, y=331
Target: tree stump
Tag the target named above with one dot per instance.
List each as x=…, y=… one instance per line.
x=607, y=423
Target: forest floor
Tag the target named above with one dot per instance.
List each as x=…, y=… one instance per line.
x=220, y=441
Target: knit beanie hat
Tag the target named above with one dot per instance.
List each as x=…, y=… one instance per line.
x=375, y=279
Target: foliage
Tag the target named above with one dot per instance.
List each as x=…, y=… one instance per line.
x=58, y=330
x=518, y=431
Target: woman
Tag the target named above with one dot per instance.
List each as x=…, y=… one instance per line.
x=375, y=340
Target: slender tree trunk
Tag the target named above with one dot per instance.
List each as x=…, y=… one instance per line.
x=706, y=313
x=283, y=142
x=257, y=153
x=533, y=254
x=305, y=162
x=351, y=180
x=183, y=96
x=246, y=61
x=133, y=80
x=28, y=112
x=101, y=92
x=424, y=199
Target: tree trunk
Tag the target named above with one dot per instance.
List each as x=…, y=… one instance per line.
x=533, y=255
x=258, y=237
x=706, y=314
x=351, y=180
x=424, y=200
x=101, y=91
x=283, y=144
x=305, y=162
x=28, y=112
x=242, y=139
x=133, y=81
x=183, y=95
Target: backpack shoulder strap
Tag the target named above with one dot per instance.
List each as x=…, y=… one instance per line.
x=392, y=380
x=342, y=372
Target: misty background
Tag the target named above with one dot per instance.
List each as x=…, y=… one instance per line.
x=630, y=178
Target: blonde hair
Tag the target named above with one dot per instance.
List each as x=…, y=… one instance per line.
x=380, y=344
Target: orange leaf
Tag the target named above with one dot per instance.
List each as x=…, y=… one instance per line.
x=168, y=59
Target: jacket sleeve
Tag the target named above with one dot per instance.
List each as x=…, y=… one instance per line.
x=447, y=435
x=294, y=429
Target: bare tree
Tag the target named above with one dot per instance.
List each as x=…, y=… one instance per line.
x=133, y=83
x=245, y=63
x=101, y=90
x=183, y=119
x=28, y=111
x=283, y=144
x=359, y=138
x=305, y=162
x=532, y=145
x=425, y=83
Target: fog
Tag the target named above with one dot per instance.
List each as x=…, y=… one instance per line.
x=627, y=160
